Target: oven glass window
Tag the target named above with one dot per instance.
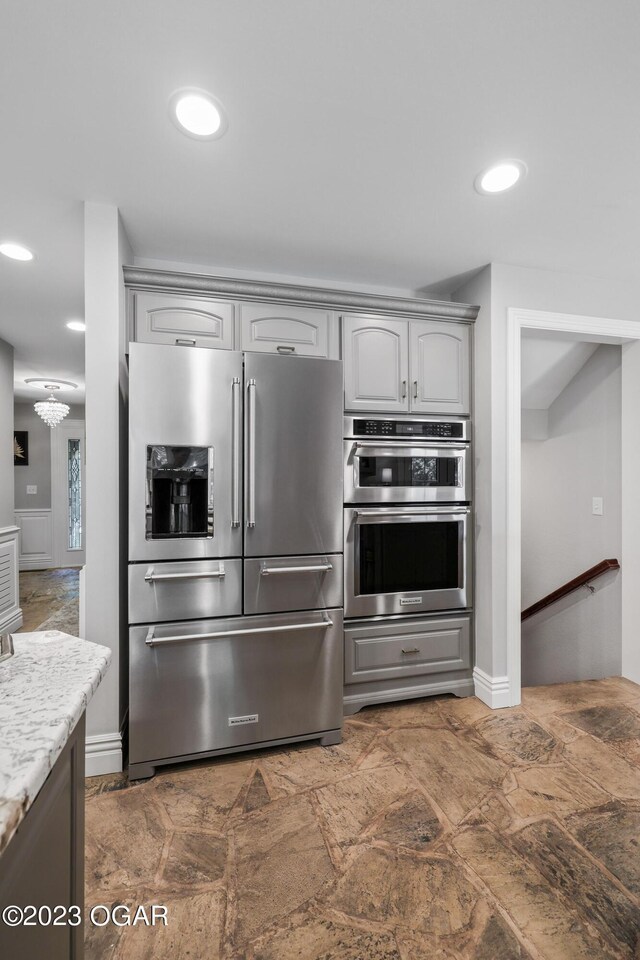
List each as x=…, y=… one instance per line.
x=409, y=471
x=407, y=557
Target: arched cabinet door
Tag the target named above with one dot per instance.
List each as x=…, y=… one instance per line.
x=285, y=329
x=184, y=321
x=375, y=354
x=439, y=361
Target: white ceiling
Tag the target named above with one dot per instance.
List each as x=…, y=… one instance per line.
x=356, y=128
x=548, y=365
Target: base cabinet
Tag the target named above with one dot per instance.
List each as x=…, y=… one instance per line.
x=43, y=866
x=398, y=659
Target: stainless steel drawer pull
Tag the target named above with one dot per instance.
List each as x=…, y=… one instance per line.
x=185, y=342
x=285, y=349
x=218, y=574
x=316, y=568
x=152, y=641
x=411, y=650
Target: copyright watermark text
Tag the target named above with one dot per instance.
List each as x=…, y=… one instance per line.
x=100, y=915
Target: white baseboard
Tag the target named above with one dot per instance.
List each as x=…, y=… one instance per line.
x=494, y=691
x=11, y=620
x=103, y=754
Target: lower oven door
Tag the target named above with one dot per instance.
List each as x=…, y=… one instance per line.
x=205, y=685
x=406, y=560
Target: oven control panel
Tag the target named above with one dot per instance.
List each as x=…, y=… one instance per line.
x=402, y=429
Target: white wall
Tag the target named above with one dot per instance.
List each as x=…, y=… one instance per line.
x=6, y=434
x=496, y=289
x=579, y=459
x=106, y=249
x=38, y=471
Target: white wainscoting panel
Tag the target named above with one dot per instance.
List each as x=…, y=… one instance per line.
x=36, y=539
x=10, y=612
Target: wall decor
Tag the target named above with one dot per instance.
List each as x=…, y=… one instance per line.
x=21, y=448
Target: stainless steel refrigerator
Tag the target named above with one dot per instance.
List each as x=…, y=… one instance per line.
x=235, y=550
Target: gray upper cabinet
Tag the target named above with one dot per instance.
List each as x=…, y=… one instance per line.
x=439, y=367
x=183, y=321
x=276, y=328
x=376, y=364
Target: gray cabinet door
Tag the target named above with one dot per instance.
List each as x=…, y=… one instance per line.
x=277, y=328
x=183, y=321
x=439, y=361
x=375, y=354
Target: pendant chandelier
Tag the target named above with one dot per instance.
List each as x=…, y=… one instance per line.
x=51, y=410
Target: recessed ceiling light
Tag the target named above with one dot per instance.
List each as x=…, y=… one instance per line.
x=198, y=114
x=16, y=251
x=500, y=177
x=78, y=325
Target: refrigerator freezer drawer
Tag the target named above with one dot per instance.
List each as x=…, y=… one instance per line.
x=277, y=584
x=186, y=590
x=214, y=684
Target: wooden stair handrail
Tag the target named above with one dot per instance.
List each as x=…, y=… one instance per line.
x=580, y=581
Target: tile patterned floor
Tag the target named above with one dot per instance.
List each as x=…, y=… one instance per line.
x=49, y=600
x=437, y=830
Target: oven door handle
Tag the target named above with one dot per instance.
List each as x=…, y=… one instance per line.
x=371, y=516
x=392, y=448
x=153, y=641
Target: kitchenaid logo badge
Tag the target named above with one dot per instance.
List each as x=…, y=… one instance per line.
x=405, y=601
x=236, y=721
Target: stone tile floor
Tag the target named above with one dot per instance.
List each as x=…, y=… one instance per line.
x=49, y=600
x=437, y=830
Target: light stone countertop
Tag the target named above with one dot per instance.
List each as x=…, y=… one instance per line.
x=44, y=690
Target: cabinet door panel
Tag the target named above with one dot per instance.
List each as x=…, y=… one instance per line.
x=271, y=328
x=375, y=364
x=439, y=362
x=184, y=321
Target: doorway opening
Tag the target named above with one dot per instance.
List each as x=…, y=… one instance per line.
x=585, y=329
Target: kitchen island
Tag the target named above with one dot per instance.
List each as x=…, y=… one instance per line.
x=44, y=692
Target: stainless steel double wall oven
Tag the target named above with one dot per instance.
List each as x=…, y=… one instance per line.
x=235, y=549
x=408, y=545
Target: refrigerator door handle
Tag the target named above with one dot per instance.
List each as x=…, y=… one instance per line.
x=153, y=641
x=235, y=453
x=251, y=454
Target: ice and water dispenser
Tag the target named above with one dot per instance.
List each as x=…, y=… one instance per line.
x=179, y=492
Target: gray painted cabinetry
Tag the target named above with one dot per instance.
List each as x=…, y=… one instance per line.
x=406, y=366
x=191, y=321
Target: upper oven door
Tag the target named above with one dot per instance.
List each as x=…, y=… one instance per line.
x=376, y=471
x=406, y=560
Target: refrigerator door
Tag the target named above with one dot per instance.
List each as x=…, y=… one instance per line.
x=293, y=456
x=185, y=444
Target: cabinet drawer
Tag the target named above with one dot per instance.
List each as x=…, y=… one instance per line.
x=185, y=590
x=384, y=651
x=275, y=584
x=183, y=321
x=271, y=328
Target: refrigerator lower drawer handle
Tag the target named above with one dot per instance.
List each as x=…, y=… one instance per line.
x=316, y=568
x=219, y=574
x=152, y=641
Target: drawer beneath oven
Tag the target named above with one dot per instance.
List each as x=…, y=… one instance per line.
x=278, y=584
x=384, y=651
x=185, y=590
